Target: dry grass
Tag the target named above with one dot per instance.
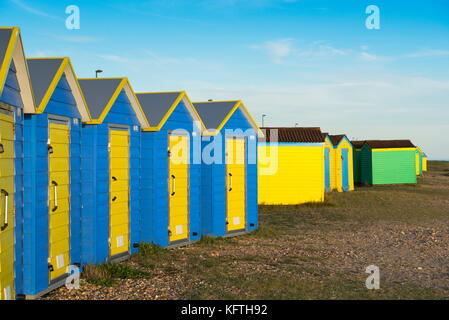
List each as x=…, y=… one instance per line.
x=309, y=251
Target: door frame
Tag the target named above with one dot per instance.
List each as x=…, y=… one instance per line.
x=235, y=137
x=327, y=174
x=118, y=127
x=178, y=133
x=344, y=161
x=66, y=121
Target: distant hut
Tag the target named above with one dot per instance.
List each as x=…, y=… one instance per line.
x=291, y=166
x=388, y=162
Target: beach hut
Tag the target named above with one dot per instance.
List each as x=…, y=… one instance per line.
x=291, y=166
x=419, y=161
x=388, y=162
x=424, y=162
x=52, y=170
x=110, y=157
x=229, y=168
x=343, y=168
x=356, y=159
x=171, y=170
x=16, y=98
x=329, y=163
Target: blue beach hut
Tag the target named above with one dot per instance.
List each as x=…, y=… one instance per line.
x=171, y=170
x=52, y=171
x=229, y=204
x=110, y=149
x=16, y=97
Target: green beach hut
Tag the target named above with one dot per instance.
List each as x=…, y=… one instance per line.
x=356, y=152
x=388, y=162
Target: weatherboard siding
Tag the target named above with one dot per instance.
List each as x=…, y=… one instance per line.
x=213, y=178
x=366, y=164
x=332, y=176
x=392, y=167
x=36, y=129
x=95, y=177
x=11, y=96
x=344, y=144
x=154, y=176
x=299, y=177
x=357, y=165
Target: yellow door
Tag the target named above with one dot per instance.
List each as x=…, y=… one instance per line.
x=178, y=221
x=236, y=184
x=6, y=204
x=59, y=199
x=119, y=191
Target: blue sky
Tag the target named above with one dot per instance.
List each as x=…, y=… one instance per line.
x=311, y=62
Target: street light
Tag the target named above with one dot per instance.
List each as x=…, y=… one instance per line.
x=97, y=72
x=263, y=117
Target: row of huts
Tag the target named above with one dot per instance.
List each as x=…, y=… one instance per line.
x=90, y=169
x=299, y=165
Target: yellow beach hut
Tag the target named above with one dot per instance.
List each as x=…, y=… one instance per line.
x=291, y=166
x=344, y=168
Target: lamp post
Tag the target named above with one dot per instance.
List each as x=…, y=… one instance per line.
x=263, y=122
x=97, y=72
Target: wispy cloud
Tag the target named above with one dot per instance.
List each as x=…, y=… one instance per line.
x=279, y=50
x=35, y=11
x=74, y=39
x=276, y=50
x=427, y=52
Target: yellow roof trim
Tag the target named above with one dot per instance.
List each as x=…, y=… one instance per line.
x=394, y=149
x=8, y=57
x=53, y=84
x=110, y=103
x=196, y=113
x=169, y=112
x=238, y=103
x=138, y=103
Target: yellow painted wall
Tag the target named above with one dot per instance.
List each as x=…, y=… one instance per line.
x=299, y=177
x=333, y=181
x=344, y=144
x=424, y=164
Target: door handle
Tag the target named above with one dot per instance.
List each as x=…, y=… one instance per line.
x=115, y=198
x=174, y=185
x=2, y=149
x=114, y=179
x=6, y=194
x=49, y=149
x=56, y=196
x=230, y=182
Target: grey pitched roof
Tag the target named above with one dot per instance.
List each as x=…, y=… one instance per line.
x=5, y=37
x=42, y=73
x=156, y=105
x=97, y=93
x=213, y=113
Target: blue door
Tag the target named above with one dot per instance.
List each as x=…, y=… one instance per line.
x=344, y=169
x=327, y=174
